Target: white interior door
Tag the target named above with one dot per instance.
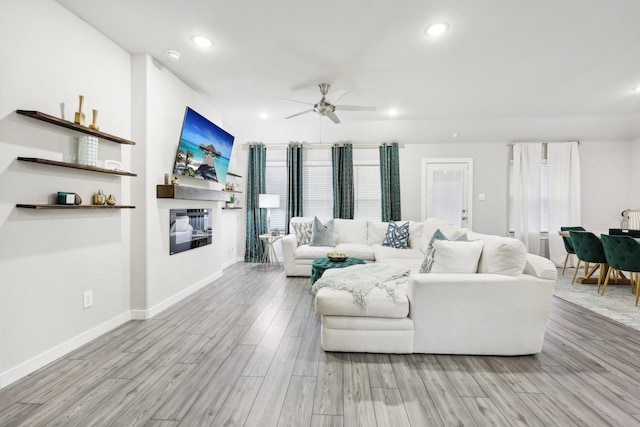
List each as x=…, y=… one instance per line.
x=447, y=190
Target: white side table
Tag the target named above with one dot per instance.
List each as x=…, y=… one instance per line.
x=269, y=257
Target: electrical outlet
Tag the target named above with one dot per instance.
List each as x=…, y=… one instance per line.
x=87, y=299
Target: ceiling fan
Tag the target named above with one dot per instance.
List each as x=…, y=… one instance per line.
x=327, y=104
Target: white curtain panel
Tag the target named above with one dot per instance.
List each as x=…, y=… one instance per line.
x=527, y=159
x=563, y=165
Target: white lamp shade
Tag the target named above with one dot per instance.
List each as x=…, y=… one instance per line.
x=268, y=200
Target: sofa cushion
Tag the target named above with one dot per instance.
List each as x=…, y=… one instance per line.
x=501, y=255
x=431, y=225
x=350, y=231
x=416, y=229
x=411, y=264
x=456, y=256
x=358, y=250
x=321, y=234
x=397, y=236
x=312, y=252
x=332, y=302
x=384, y=252
x=376, y=231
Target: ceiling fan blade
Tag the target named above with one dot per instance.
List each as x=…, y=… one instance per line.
x=333, y=117
x=335, y=96
x=293, y=100
x=354, y=108
x=299, y=114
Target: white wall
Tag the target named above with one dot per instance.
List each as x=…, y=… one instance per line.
x=161, y=279
x=48, y=258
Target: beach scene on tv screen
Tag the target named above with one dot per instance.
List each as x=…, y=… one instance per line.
x=204, y=149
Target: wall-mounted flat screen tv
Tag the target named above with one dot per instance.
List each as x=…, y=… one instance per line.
x=189, y=229
x=204, y=149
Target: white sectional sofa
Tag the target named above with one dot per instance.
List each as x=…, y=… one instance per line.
x=357, y=238
x=501, y=309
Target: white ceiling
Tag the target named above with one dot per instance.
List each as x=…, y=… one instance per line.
x=500, y=58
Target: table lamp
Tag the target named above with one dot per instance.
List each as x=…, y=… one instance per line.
x=268, y=201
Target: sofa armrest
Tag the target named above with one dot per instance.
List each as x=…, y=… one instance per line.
x=289, y=245
x=540, y=267
x=487, y=313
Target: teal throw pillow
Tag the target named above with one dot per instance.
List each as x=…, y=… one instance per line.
x=427, y=263
x=321, y=234
x=397, y=237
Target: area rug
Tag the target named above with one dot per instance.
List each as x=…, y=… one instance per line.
x=617, y=304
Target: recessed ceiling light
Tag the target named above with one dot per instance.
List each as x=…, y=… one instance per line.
x=202, y=41
x=438, y=29
x=392, y=112
x=454, y=135
x=173, y=55
x=264, y=116
x=636, y=89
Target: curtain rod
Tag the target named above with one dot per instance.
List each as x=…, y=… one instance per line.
x=318, y=145
x=543, y=142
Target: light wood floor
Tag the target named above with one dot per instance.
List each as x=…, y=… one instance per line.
x=246, y=351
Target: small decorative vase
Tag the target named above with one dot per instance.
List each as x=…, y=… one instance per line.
x=94, y=124
x=79, y=116
x=99, y=198
x=111, y=200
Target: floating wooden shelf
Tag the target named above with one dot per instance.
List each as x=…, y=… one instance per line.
x=74, y=126
x=74, y=166
x=46, y=206
x=232, y=191
x=190, y=193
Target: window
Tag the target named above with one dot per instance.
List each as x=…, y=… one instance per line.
x=318, y=190
x=366, y=188
x=544, y=195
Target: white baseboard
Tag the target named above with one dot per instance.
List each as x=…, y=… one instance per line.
x=230, y=262
x=22, y=370
x=149, y=313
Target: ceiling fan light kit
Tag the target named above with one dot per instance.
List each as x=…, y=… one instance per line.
x=327, y=104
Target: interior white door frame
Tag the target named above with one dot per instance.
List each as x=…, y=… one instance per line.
x=423, y=186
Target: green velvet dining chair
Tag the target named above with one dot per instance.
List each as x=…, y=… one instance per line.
x=623, y=254
x=589, y=249
x=568, y=246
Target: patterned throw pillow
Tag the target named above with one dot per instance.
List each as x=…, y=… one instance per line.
x=302, y=230
x=397, y=237
x=321, y=234
x=427, y=263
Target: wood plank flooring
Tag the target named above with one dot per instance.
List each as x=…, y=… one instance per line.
x=245, y=351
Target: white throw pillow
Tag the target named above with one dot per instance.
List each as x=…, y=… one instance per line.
x=502, y=255
x=456, y=256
